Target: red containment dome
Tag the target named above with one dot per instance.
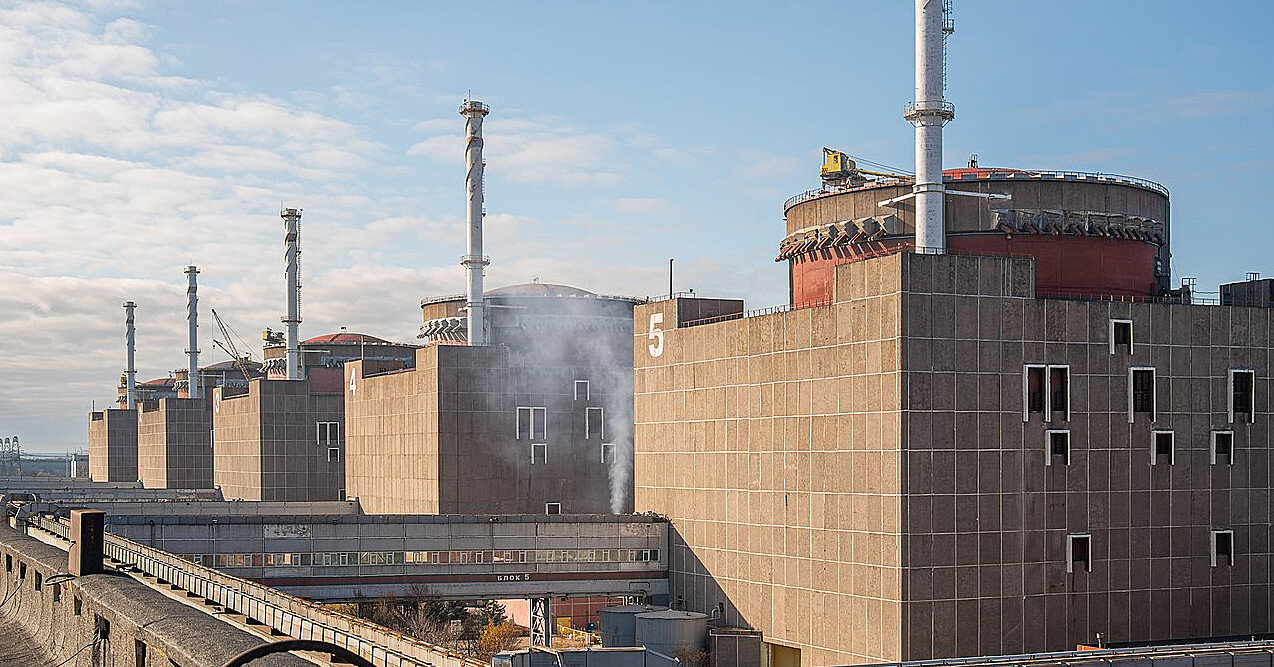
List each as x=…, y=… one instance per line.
x=1091, y=235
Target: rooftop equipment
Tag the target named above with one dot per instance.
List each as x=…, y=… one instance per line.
x=841, y=170
x=474, y=262
x=130, y=371
x=240, y=358
x=192, y=320
x=292, y=256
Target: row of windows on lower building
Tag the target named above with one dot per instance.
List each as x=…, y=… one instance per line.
x=540, y=453
x=1079, y=550
x=350, y=558
x=1046, y=392
x=1163, y=447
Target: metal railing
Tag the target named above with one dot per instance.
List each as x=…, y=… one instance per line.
x=1016, y=174
x=942, y=108
x=674, y=295
x=284, y=613
x=583, y=637
x=783, y=308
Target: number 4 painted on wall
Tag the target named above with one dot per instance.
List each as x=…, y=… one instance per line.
x=656, y=334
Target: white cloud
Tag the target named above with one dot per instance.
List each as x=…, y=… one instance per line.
x=118, y=173
x=540, y=150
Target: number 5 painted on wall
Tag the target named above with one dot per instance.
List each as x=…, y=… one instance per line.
x=656, y=334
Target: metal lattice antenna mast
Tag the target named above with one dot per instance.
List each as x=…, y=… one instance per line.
x=192, y=320
x=474, y=261
x=130, y=370
x=292, y=257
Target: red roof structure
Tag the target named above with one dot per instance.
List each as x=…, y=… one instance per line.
x=343, y=337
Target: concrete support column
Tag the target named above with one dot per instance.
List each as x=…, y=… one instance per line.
x=88, y=540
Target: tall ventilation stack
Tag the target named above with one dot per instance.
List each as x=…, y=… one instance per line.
x=130, y=371
x=929, y=113
x=292, y=240
x=192, y=320
x=474, y=262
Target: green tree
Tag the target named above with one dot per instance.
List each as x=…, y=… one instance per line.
x=492, y=613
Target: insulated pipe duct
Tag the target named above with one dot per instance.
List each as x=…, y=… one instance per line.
x=929, y=113
x=292, y=256
x=474, y=262
x=192, y=319
x=130, y=371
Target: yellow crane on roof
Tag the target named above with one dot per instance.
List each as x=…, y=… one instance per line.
x=840, y=170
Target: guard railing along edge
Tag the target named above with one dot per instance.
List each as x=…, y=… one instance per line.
x=285, y=613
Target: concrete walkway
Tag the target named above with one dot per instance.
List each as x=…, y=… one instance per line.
x=18, y=649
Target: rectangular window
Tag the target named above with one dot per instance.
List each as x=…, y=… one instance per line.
x=328, y=434
x=1222, y=547
x=1079, y=552
x=333, y=454
x=1059, y=390
x=1162, y=447
x=608, y=452
x=552, y=508
x=539, y=453
x=1242, y=395
x=1057, y=444
x=1141, y=393
x=1121, y=336
x=1046, y=390
x=532, y=424
x=581, y=390
x=1033, y=381
x=593, y=425
x=1223, y=448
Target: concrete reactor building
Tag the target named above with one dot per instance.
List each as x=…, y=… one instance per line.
x=283, y=439
x=983, y=425
x=519, y=403
x=538, y=420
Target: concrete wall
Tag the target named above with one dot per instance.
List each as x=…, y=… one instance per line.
x=444, y=437
x=108, y=618
x=869, y=462
x=266, y=447
x=112, y=445
x=392, y=435
x=174, y=444
x=986, y=519
x=237, y=435
x=773, y=443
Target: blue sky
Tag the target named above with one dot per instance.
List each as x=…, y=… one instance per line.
x=142, y=136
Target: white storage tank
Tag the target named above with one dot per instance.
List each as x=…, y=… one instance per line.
x=619, y=624
x=672, y=633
